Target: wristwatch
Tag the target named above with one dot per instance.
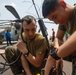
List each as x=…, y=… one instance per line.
x=26, y=54
x=53, y=53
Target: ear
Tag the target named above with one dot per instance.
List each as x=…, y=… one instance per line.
x=62, y=3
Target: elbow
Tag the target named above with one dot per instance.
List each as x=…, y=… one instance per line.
x=37, y=65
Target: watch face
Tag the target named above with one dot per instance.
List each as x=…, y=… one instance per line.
x=27, y=54
x=53, y=50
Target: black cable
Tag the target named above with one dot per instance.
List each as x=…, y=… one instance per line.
x=14, y=12
x=42, y=26
x=60, y=71
x=9, y=64
x=63, y=72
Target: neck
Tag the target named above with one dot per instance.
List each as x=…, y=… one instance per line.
x=69, y=10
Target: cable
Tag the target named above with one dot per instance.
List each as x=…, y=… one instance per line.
x=42, y=26
x=8, y=64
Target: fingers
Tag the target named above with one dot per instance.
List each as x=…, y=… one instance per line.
x=59, y=63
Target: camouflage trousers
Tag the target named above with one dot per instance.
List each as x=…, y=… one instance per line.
x=11, y=53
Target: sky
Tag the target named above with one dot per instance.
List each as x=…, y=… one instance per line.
x=25, y=7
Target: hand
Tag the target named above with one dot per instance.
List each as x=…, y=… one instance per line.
x=22, y=46
x=59, y=63
x=50, y=63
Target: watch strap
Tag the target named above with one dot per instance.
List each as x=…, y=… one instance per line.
x=26, y=54
x=53, y=53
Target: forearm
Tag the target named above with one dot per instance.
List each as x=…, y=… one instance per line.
x=36, y=61
x=68, y=47
x=56, y=43
x=25, y=65
x=49, y=65
x=31, y=59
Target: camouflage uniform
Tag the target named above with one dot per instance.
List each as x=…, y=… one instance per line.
x=12, y=53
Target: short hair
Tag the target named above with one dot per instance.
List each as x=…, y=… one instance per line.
x=28, y=19
x=75, y=4
x=7, y=30
x=52, y=29
x=49, y=6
